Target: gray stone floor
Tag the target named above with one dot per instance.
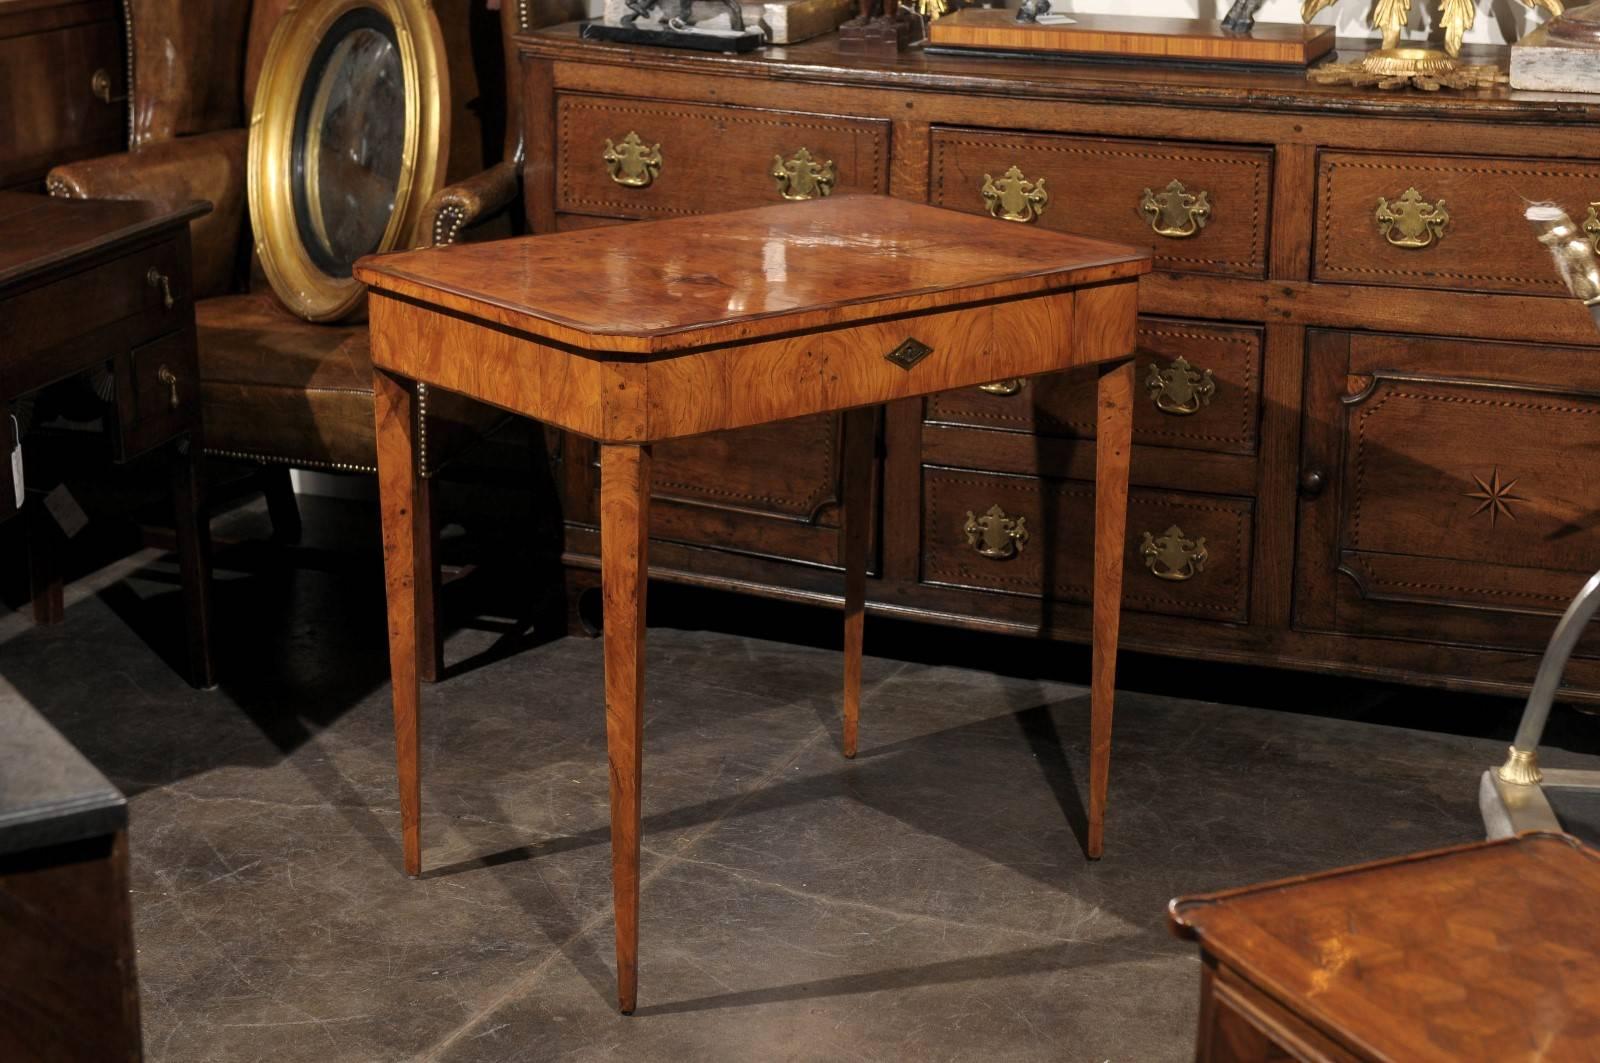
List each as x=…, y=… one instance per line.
x=927, y=901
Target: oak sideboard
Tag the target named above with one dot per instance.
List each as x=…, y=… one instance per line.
x=1368, y=410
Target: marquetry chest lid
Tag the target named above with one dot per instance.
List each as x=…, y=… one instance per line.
x=658, y=287
x=1487, y=951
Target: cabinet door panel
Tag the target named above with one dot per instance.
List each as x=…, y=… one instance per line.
x=1460, y=494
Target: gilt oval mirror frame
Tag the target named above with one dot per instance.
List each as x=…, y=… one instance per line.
x=347, y=142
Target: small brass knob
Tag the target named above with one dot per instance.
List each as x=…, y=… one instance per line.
x=100, y=85
x=156, y=279
x=1312, y=481
x=169, y=378
x=1009, y=386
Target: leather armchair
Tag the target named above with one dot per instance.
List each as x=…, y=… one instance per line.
x=277, y=390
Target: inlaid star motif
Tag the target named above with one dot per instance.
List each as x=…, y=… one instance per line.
x=1495, y=496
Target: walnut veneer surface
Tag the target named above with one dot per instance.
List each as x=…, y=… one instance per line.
x=1482, y=952
x=1353, y=468
x=753, y=317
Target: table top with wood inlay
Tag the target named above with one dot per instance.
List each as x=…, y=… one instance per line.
x=670, y=285
x=1488, y=951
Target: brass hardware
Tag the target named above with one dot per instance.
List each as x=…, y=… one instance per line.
x=802, y=177
x=1009, y=386
x=1312, y=481
x=1411, y=222
x=909, y=353
x=1178, y=389
x=1521, y=767
x=630, y=163
x=996, y=535
x=100, y=85
x=1495, y=497
x=932, y=9
x=169, y=378
x=1591, y=227
x=1176, y=212
x=156, y=279
x=1014, y=197
x=1173, y=556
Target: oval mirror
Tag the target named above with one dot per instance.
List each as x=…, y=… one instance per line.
x=347, y=144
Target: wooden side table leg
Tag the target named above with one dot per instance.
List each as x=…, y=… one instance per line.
x=624, y=568
x=397, y=494
x=858, y=455
x=192, y=526
x=430, y=625
x=1113, y=444
x=44, y=564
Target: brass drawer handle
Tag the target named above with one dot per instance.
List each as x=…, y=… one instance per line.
x=169, y=378
x=1178, y=389
x=1411, y=222
x=1176, y=212
x=996, y=535
x=802, y=177
x=1014, y=197
x=156, y=279
x=1591, y=227
x=630, y=163
x=1172, y=555
x=1009, y=386
x=100, y=85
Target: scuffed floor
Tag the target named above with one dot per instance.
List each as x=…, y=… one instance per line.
x=927, y=901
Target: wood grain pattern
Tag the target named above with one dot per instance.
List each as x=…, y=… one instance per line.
x=761, y=317
x=859, y=440
x=1113, y=447
x=395, y=414
x=1485, y=951
x=757, y=273
x=624, y=544
x=1121, y=35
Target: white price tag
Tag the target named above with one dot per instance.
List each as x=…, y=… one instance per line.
x=69, y=516
x=1055, y=20
x=16, y=460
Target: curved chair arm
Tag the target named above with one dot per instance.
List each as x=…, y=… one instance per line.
x=210, y=166
x=465, y=203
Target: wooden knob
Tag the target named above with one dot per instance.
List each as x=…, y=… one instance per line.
x=1312, y=481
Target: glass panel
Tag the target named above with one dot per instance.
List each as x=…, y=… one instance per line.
x=349, y=141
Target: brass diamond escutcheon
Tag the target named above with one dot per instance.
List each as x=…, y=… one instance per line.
x=909, y=353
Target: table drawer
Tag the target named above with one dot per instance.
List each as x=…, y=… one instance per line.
x=667, y=158
x=158, y=393
x=1186, y=554
x=152, y=281
x=1442, y=221
x=1198, y=207
x=1199, y=389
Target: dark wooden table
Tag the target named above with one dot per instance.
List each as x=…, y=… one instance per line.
x=1488, y=951
x=68, y=989
x=86, y=284
x=684, y=327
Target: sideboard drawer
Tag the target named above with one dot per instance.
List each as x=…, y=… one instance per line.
x=628, y=158
x=1442, y=221
x=1198, y=207
x=1186, y=555
x=1199, y=389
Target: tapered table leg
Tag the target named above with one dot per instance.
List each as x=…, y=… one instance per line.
x=193, y=528
x=397, y=492
x=44, y=564
x=858, y=461
x=1113, y=443
x=430, y=629
x=624, y=566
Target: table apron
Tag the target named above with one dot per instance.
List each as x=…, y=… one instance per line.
x=624, y=399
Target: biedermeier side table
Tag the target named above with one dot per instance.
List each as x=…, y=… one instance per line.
x=1487, y=951
x=635, y=335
